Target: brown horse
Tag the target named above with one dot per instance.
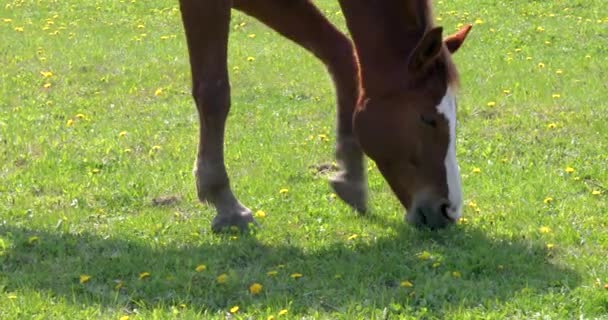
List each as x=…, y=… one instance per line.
x=395, y=94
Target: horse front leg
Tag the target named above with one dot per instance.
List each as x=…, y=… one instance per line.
x=301, y=22
x=206, y=23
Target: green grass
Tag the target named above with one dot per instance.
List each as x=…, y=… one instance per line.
x=77, y=199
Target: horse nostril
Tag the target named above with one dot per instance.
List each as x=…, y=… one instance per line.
x=444, y=209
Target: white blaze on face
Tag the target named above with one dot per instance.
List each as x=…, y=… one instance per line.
x=447, y=107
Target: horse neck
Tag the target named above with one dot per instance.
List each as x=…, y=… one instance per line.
x=385, y=33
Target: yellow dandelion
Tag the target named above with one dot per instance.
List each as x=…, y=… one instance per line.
x=272, y=273
x=156, y=148
x=456, y=274
x=406, y=284
x=424, y=255
x=596, y=192
x=606, y=286
x=144, y=275
x=19, y=29
x=548, y=200
x=544, y=229
x=472, y=204
x=140, y=26
x=80, y=116
x=69, y=123
x=540, y=29
x=463, y=220
x=124, y=318
x=234, y=309
x=517, y=49
x=476, y=170
x=46, y=74
x=478, y=21
x=547, y=42
x=541, y=65
x=283, y=312
x=46, y=85
x=284, y=191
x=250, y=59
x=552, y=125
x=459, y=25
x=127, y=150
x=492, y=104
x=12, y=296
x=528, y=58
x=559, y=71
x=323, y=137
x=7, y=20
x=569, y=170
x=158, y=92
x=555, y=96
x=251, y=35
x=222, y=278
x=260, y=214
x=353, y=236
x=122, y=133
x=550, y=246
x=296, y=275
x=84, y=278
x=255, y=288
x=270, y=318
x=200, y=268
x=95, y=171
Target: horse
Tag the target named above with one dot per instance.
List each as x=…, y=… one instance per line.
x=395, y=86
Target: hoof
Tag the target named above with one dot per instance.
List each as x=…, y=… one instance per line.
x=239, y=221
x=353, y=193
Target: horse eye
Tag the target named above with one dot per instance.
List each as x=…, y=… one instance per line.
x=428, y=120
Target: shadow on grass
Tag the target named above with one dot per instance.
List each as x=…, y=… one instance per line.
x=347, y=277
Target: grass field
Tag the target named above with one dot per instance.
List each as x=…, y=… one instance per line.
x=97, y=124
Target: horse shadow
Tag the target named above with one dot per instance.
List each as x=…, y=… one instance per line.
x=461, y=266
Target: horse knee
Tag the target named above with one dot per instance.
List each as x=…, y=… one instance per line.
x=212, y=96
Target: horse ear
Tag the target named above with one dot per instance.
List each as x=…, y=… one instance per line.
x=453, y=42
x=426, y=51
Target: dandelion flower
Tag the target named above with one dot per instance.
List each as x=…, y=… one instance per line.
x=250, y=59
x=544, y=229
x=552, y=125
x=222, y=278
x=46, y=85
x=550, y=246
x=158, y=92
x=144, y=275
x=156, y=148
x=251, y=35
x=255, y=288
x=424, y=255
x=19, y=29
x=122, y=134
x=456, y=274
x=548, y=200
x=283, y=312
x=200, y=268
x=559, y=71
x=492, y=104
x=472, y=204
x=260, y=214
x=478, y=21
x=84, y=278
x=272, y=273
x=476, y=170
x=69, y=123
x=596, y=192
x=541, y=65
x=406, y=284
x=7, y=20
x=46, y=74
x=540, y=29
x=124, y=318
x=284, y=191
x=556, y=96
x=234, y=309
x=296, y=275
x=569, y=170
x=353, y=236
x=80, y=116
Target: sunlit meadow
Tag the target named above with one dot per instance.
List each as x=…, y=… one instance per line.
x=98, y=212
